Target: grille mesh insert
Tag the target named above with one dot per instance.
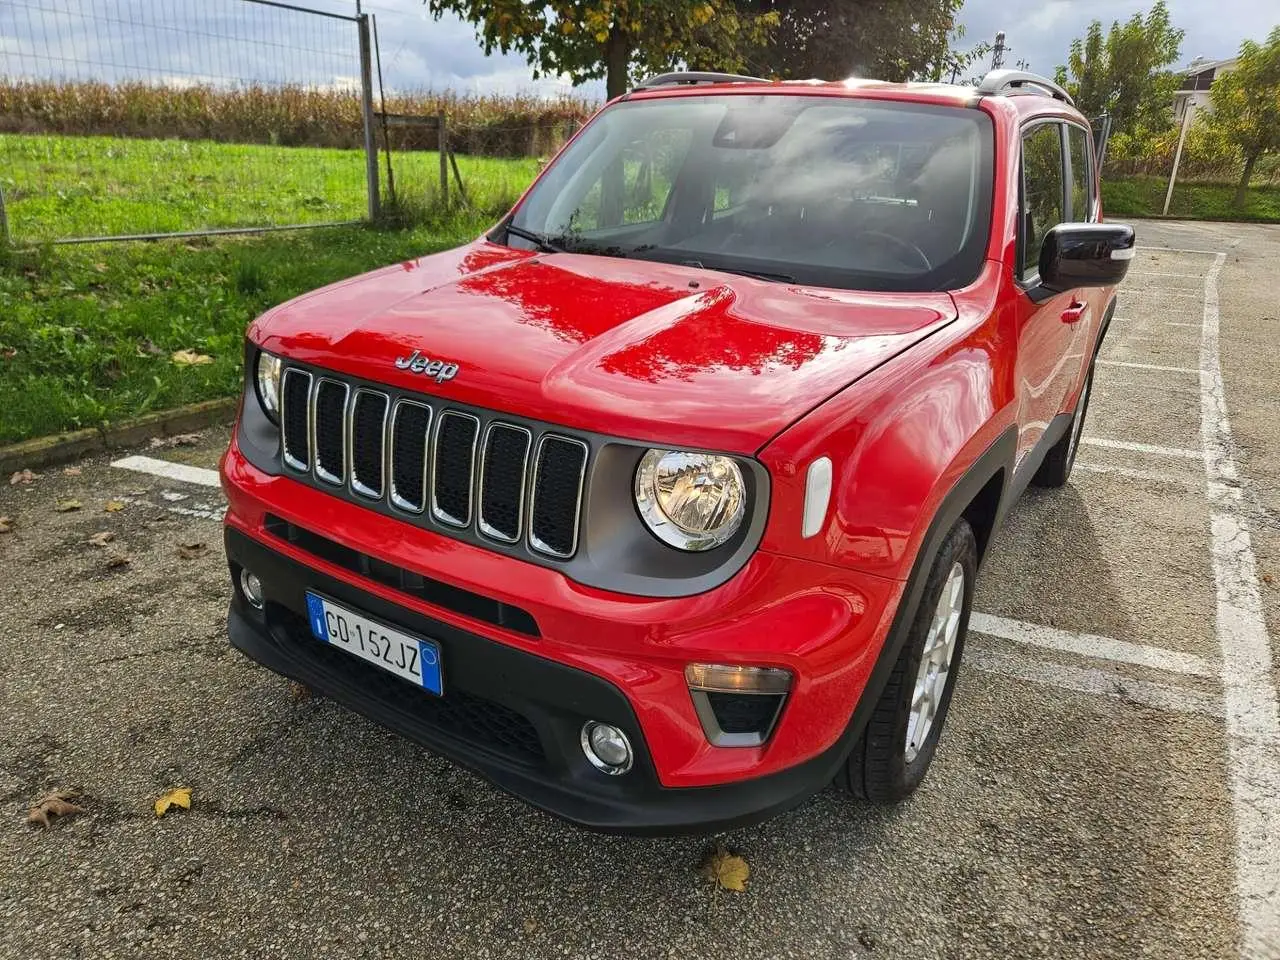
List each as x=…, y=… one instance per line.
x=506, y=453
x=409, y=455
x=297, y=395
x=331, y=406
x=454, y=461
x=367, y=421
x=557, y=491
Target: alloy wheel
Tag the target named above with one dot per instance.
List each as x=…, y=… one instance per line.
x=935, y=661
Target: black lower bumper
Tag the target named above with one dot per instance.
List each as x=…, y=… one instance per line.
x=513, y=717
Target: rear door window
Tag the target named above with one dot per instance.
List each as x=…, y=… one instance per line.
x=1043, y=192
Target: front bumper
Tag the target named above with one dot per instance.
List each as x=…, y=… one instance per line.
x=515, y=701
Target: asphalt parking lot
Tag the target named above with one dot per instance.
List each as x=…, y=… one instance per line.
x=1108, y=785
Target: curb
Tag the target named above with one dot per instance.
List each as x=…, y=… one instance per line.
x=46, y=451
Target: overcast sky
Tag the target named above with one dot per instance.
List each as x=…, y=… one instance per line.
x=189, y=41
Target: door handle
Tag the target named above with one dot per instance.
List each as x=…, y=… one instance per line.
x=1075, y=313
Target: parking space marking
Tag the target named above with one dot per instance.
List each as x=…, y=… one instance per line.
x=1248, y=693
x=1198, y=277
x=1092, y=645
x=1106, y=443
x=1088, y=680
x=170, y=471
x=1145, y=366
x=1186, y=481
x=1209, y=253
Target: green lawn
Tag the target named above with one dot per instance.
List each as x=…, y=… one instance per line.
x=87, y=332
x=1144, y=197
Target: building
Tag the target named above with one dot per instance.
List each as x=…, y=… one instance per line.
x=1197, y=79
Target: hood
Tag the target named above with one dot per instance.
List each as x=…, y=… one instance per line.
x=662, y=353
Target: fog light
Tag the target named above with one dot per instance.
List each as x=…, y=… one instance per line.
x=607, y=748
x=251, y=587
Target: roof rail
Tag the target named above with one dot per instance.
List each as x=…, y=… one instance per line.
x=695, y=76
x=1018, y=81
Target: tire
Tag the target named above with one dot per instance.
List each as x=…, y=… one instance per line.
x=883, y=766
x=1056, y=468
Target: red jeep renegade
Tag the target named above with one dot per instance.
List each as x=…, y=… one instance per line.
x=661, y=504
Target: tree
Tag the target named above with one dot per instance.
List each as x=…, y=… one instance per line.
x=1125, y=73
x=1246, y=104
x=885, y=39
x=615, y=39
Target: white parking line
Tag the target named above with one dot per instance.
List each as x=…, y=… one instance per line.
x=1198, y=277
x=1249, y=695
x=170, y=471
x=1091, y=645
x=1145, y=366
x=1100, y=682
x=1143, y=248
x=1109, y=444
x=1186, y=481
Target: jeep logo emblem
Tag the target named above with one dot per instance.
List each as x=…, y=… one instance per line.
x=417, y=363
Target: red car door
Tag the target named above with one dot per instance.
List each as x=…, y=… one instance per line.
x=1049, y=356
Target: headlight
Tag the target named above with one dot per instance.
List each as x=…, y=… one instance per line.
x=267, y=380
x=693, y=501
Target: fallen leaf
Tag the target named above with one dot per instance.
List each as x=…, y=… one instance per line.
x=114, y=506
x=6, y=525
x=192, y=550
x=726, y=870
x=189, y=358
x=100, y=267
x=117, y=559
x=1267, y=578
x=66, y=506
x=71, y=471
x=101, y=539
x=299, y=691
x=23, y=476
x=530, y=925
x=56, y=804
x=177, y=797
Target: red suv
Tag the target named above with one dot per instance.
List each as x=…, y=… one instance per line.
x=661, y=504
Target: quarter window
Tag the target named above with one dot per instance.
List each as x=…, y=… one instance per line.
x=1082, y=206
x=1043, y=196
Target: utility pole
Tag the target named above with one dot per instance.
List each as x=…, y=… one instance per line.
x=998, y=51
x=1177, y=155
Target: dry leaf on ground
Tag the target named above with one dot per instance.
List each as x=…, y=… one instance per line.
x=116, y=559
x=66, y=506
x=23, y=476
x=299, y=691
x=726, y=870
x=114, y=506
x=192, y=550
x=6, y=525
x=56, y=804
x=189, y=358
x=101, y=539
x=72, y=471
x=177, y=797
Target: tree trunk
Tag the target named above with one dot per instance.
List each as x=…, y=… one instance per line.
x=1238, y=202
x=617, y=58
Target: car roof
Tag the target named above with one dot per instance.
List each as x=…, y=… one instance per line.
x=1024, y=103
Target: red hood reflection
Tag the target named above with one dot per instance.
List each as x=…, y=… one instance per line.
x=657, y=352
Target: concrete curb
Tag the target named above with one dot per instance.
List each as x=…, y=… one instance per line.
x=45, y=451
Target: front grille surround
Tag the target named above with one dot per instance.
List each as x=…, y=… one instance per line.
x=409, y=458
x=355, y=439
x=441, y=511
x=542, y=543
x=320, y=461
x=289, y=413
x=492, y=529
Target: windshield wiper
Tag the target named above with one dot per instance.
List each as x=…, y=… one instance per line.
x=543, y=243
x=757, y=274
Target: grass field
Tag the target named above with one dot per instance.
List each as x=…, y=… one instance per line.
x=1144, y=197
x=87, y=332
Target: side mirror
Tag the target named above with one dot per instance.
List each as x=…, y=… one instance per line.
x=1085, y=255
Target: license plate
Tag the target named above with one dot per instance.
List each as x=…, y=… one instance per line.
x=410, y=658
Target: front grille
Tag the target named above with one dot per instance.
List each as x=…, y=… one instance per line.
x=459, y=714
x=501, y=481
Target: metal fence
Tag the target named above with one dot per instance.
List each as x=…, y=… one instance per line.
x=129, y=118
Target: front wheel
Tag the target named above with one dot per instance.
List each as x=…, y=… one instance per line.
x=894, y=752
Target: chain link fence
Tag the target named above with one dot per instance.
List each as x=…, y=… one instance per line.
x=136, y=118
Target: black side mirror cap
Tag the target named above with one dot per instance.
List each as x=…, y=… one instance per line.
x=1086, y=255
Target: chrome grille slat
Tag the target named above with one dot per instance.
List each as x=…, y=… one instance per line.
x=555, y=501
x=367, y=442
x=410, y=433
x=453, y=462
x=295, y=419
x=504, y=466
x=328, y=430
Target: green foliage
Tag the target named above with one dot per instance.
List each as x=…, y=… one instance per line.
x=616, y=40
x=1124, y=72
x=1144, y=197
x=86, y=332
x=885, y=39
x=1246, y=103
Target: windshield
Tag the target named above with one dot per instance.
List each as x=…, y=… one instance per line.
x=825, y=191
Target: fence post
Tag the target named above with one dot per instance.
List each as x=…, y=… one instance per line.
x=442, y=143
x=1177, y=157
x=366, y=111
x=4, y=219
